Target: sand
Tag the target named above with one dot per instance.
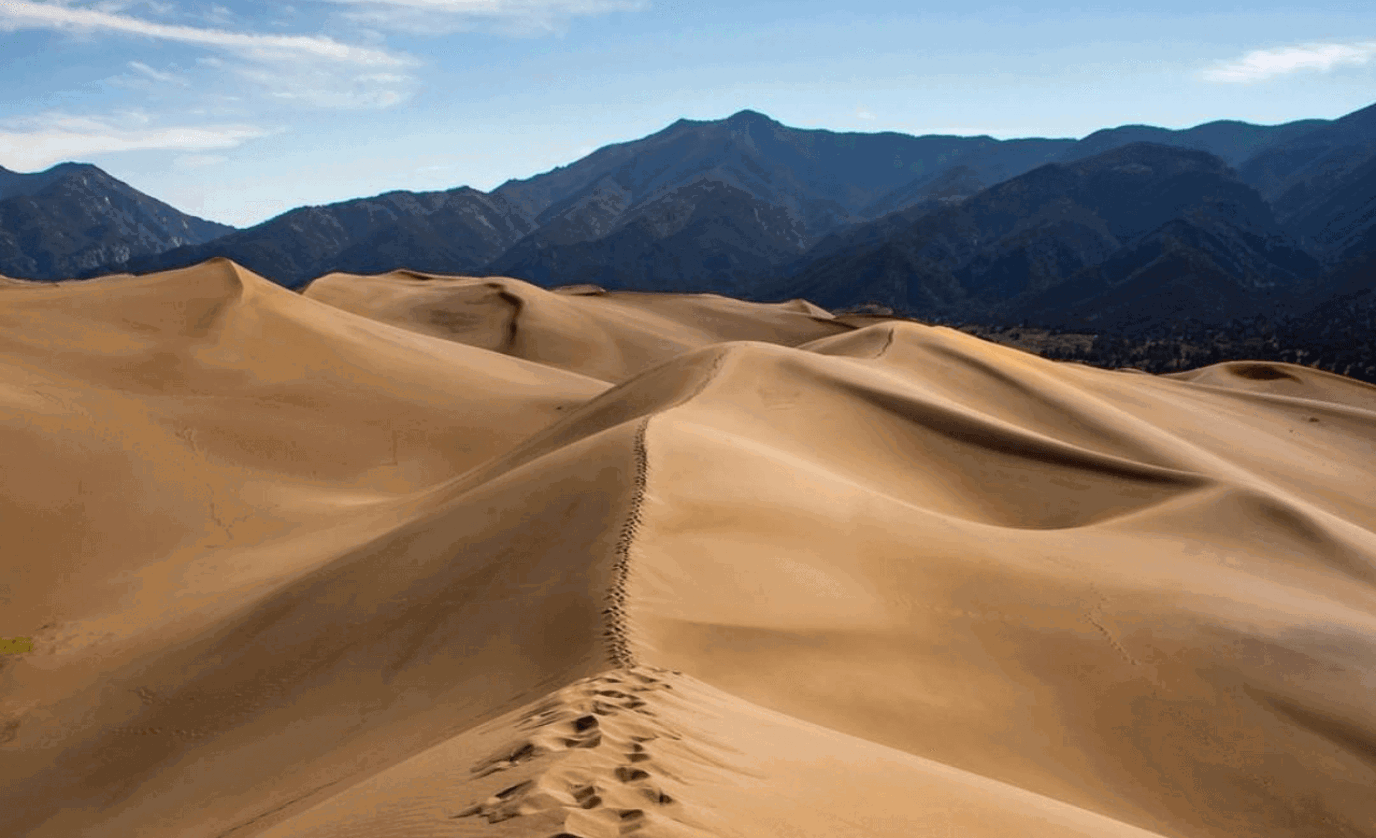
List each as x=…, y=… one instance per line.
x=409, y=555
x=580, y=328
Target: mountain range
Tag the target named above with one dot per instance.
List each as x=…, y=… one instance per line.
x=1138, y=234
x=1129, y=225
x=73, y=218
x=1126, y=233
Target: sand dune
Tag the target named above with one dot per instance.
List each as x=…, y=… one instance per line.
x=609, y=336
x=416, y=556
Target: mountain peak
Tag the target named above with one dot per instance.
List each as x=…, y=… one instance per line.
x=54, y=170
x=70, y=168
x=85, y=219
x=748, y=116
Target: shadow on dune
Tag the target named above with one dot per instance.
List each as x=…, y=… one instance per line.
x=417, y=555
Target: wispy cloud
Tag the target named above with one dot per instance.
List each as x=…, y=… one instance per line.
x=157, y=75
x=21, y=14
x=37, y=142
x=494, y=8
x=313, y=84
x=1263, y=64
x=322, y=87
x=863, y=112
x=516, y=17
x=310, y=70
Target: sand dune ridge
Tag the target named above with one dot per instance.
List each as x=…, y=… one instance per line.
x=416, y=556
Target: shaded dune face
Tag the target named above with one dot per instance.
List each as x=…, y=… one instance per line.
x=1058, y=577
x=608, y=336
x=192, y=411
x=409, y=555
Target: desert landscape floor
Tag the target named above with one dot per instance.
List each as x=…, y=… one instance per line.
x=414, y=555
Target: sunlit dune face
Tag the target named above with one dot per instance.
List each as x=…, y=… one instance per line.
x=417, y=555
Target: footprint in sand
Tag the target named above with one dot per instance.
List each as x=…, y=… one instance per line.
x=585, y=715
x=627, y=822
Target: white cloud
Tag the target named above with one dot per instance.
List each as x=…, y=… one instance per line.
x=1263, y=64
x=221, y=15
x=509, y=7
x=514, y=17
x=37, y=142
x=863, y=112
x=306, y=70
x=157, y=75
x=21, y=14
x=326, y=87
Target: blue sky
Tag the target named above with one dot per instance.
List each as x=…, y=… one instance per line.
x=237, y=111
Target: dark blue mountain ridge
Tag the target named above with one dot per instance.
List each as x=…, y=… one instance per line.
x=452, y=231
x=1301, y=175
x=748, y=206
x=1190, y=270
x=1098, y=221
x=18, y=183
x=823, y=178
x=1230, y=140
x=822, y=181
x=745, y=149
x=709, y=236
x=73, y=217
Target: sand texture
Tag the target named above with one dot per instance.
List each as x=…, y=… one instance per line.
x=410, y=555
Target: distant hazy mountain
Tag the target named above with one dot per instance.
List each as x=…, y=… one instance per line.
x=1094, y=233
x=1231, y=141
x=1287, y=172
x=74, y=217
x=458, y=231
x=1323, y=184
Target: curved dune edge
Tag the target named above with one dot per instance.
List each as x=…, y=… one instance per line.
x=873, y=578
x=823, y=622
x=610, y=336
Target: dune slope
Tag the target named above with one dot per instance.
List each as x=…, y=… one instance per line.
x=419, y=556
x=608, y=336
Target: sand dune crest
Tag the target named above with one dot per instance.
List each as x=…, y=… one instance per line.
x=409, y=555
x=609, y=336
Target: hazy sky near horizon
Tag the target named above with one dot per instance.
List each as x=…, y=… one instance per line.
x=237, y=111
